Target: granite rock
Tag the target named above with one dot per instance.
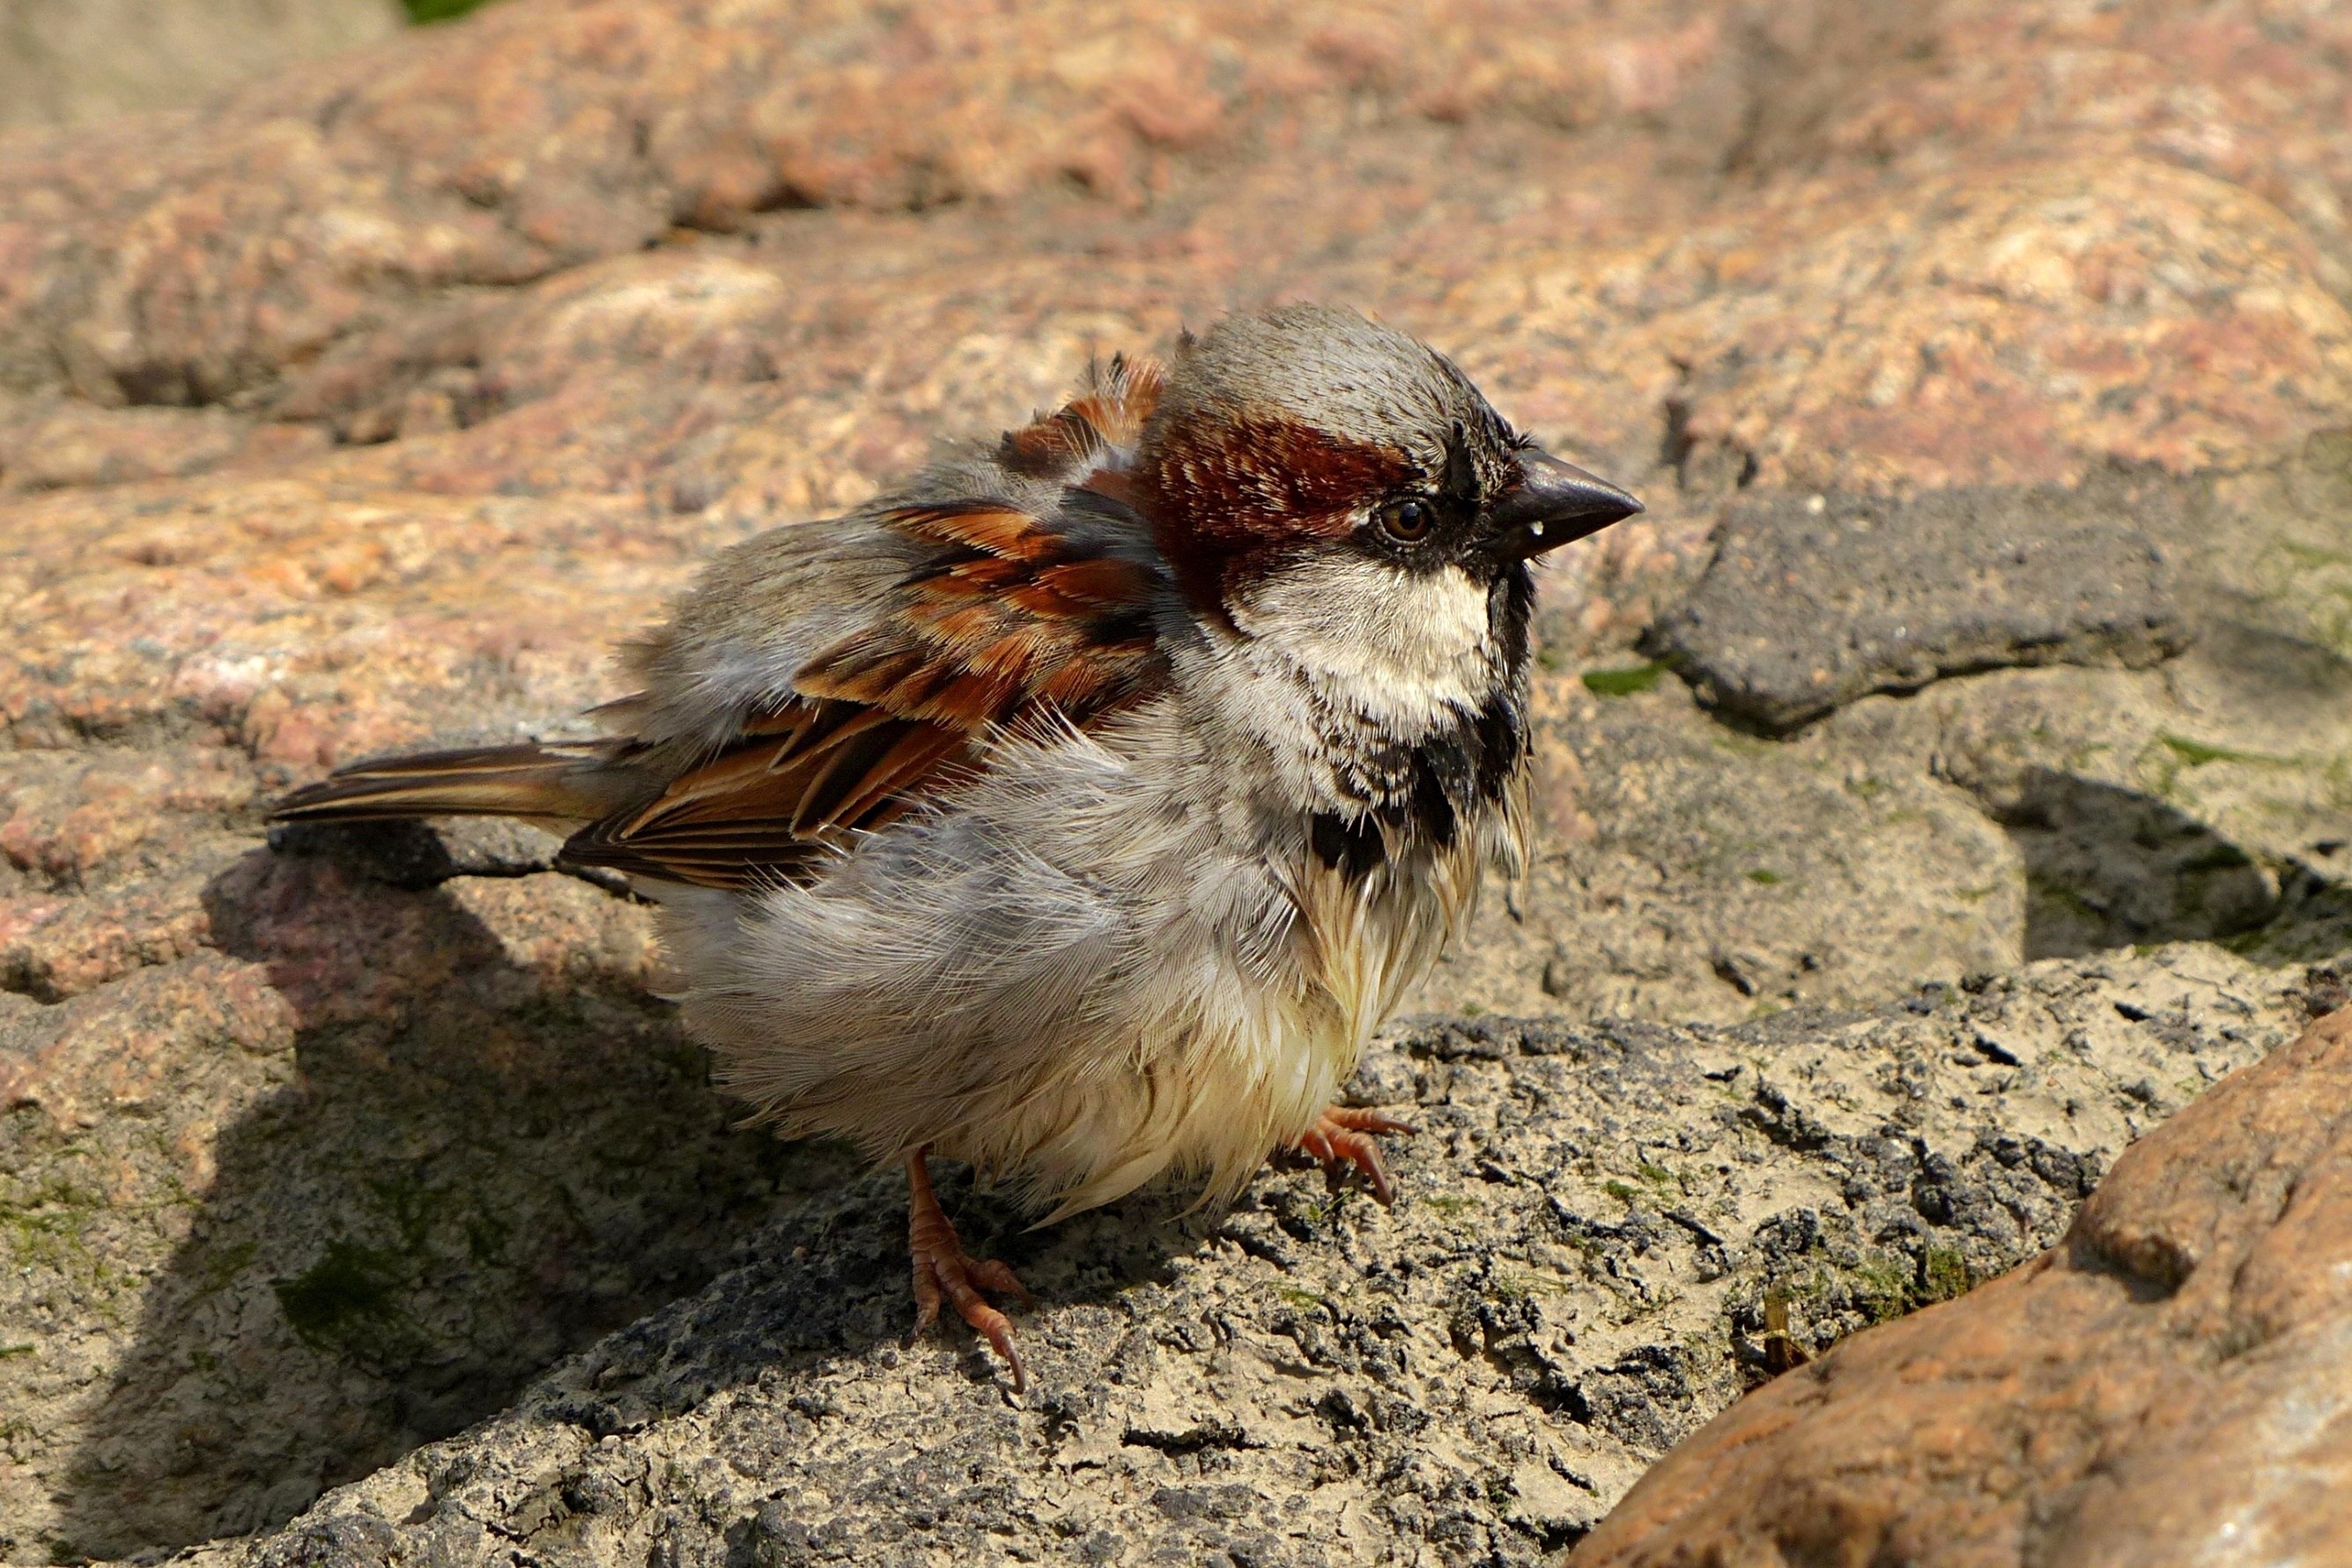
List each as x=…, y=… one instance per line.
x=1813, y=601
x=1593, y=1225
x=366, y=408
x=2163, y=1387
x=74, y=62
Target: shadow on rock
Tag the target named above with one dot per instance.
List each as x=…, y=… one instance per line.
x=2109, y=867
x=490, y=1146
x=493, y=1145
x=829, y=1279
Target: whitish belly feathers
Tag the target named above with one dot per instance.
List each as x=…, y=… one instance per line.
x=1160, y=979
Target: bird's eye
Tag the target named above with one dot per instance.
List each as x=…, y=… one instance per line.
x=1407, y=519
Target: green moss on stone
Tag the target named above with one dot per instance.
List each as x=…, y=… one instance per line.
x=44, y=1228
x=1943, y=1275
x=420, y=12
x=2197, y=753
x=350, y=1288
x=1627, y=682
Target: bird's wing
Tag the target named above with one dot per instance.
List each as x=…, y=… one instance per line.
x=1010, y=618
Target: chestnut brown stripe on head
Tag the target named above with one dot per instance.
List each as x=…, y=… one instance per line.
x=1309, y=428
x=1227, y=497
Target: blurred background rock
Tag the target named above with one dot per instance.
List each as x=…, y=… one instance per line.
x=71, y=62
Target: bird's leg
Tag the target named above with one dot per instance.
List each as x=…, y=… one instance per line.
x=944, y=1272
x=1342, y=1136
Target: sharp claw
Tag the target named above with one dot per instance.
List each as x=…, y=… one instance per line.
x=943, y=1272
x=1342, y=1136
x=1365, y=1155
x=1000, y=1339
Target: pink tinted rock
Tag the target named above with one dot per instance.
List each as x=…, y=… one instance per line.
x=2164, y=1387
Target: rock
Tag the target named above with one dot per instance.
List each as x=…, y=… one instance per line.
x=1693, y=872
x=1591, y=1223
x=328, y=1180
x=2072, y=1410
x=1810, y=602
x=418, y=855
x=2206, y=800
x=366, y=407
x=72, y=62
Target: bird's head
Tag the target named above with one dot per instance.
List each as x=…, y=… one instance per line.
x=1310, y=455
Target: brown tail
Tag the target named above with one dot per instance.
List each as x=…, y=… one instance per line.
x=566, y=782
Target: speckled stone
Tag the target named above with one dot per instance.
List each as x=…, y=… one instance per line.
x=366, y=407
x=1812, y=601
x=2073, y=1411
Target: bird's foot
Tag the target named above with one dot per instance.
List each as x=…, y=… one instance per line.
x=1342, y=1137
x=945, y=1272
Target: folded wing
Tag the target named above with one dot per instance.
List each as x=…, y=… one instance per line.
x=1010, y=625
x=1011, y=616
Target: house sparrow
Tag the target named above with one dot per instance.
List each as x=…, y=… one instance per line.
x=1080, y=808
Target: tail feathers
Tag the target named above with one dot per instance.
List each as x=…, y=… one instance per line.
x=567, y=782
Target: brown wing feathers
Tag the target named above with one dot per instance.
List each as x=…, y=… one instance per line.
x=1010, y=619
x=772, y=805
x=1004, y=623
x=563, y=782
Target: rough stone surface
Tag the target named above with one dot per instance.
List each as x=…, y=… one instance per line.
x=285, y=1203
x=364, y=408
x=1810, y=602
x=2166, y=1386
x=1590, y=1224
x=71, y=62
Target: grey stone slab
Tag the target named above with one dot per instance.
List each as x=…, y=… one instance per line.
x=1812, y=602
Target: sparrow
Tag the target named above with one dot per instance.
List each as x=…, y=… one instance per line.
x=1081, y=807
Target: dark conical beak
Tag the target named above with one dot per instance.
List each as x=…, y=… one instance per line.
x=1554, y=504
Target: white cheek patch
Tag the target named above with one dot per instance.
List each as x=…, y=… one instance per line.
x=1397, y=644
